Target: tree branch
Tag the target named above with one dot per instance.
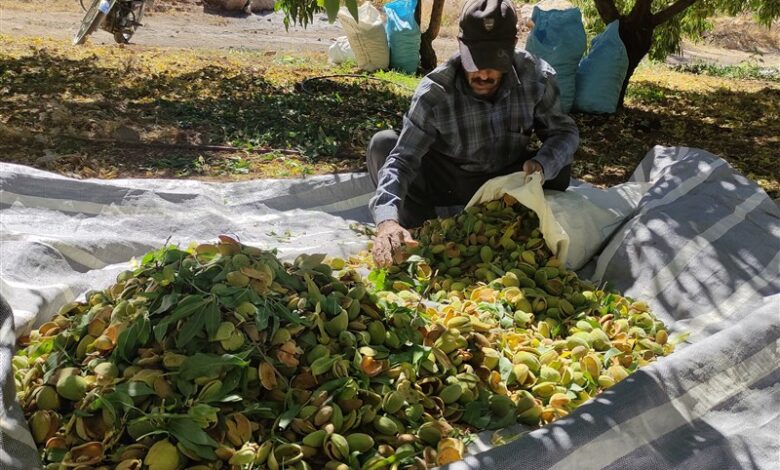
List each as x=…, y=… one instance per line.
x=437, y=9
x=607, y=10
x=665, y=15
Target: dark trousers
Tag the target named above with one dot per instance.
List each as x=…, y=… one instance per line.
x=440, y=182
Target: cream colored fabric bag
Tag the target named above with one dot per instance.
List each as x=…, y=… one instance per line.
x=528, y=192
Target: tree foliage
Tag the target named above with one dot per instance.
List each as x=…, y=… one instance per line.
x=673, y=20
x=302, y=11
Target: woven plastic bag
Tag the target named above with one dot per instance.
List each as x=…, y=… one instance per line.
x=367, y=37
x=558, y=37
x=403, y=35
x=340, y=51
x=601, y=73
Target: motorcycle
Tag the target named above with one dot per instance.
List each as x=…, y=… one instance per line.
x=119, y=17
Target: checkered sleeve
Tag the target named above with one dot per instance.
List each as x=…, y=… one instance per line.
x=557, y=130
x=403, y=163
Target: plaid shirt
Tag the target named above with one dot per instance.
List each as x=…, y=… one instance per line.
x=480, y=135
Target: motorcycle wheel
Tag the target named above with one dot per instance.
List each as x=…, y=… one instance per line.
x=89, y=24
x=123, y=37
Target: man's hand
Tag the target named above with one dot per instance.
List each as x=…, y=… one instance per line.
x=532, y=166
x=389, y=243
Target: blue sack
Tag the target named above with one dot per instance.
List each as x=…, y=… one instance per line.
x=403, y=35
x=600, y=75
x=559, y=38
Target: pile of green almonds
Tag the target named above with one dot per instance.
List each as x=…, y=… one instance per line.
x=222, y=356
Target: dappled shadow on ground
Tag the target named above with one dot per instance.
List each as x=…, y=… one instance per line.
x=47, y=95
x=51, y=96
x=742, y=127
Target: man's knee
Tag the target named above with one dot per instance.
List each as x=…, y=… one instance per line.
x=378, y=149
x=561, y=181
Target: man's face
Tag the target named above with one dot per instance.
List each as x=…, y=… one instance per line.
x=484, y=82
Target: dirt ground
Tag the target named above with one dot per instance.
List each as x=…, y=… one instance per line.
x=185, y=25
x=182, y=30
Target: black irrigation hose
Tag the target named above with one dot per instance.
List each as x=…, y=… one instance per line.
x=302, y=85
x=167, y=145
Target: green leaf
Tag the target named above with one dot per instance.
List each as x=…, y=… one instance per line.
x=168, y=301
x=261, y=319
x=263, y=410
x=323, y=364
x=186, y=387
x=505, y=368
x=503, y=422
x=286, y=314
x=332, y=8
x=331, y=385
x=185, y=308
x=331, y=305
x=310, y=261
x=477, y=412
x=202, y=364
x=230, y=383
x=191, y=328
x=52, y=363
x=144, y=330
x=135, y=389
x=397, y=457
x=413, y=355
x=101, y=403
x=190, y=435
x=613, y=352
x=45, y=347
x=119, y=399
x=189, y=430
x=378, y=277
x=56, y=455
x=212, y=318
x=286, y=418
x=288, y=280
x=352, y=6
x=132, y=338
x=172, y=254
x=203, y=414
x=311, y=286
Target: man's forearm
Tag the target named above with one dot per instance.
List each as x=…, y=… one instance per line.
x=558, y=151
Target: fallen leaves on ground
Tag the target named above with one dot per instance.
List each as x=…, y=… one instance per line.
x=73, y=101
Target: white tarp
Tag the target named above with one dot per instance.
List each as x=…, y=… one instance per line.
x=702, y=246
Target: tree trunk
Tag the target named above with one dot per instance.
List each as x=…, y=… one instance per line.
x=636, y=31
x=428, y=60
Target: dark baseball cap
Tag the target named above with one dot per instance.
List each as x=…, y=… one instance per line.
x=488, y=34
